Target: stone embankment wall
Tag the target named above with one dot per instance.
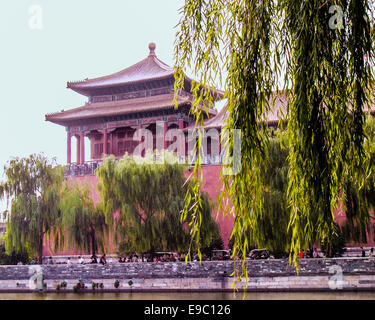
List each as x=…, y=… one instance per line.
x=263, y=275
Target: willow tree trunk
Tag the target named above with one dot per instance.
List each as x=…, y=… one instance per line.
x=40, y=249
x=93, y=244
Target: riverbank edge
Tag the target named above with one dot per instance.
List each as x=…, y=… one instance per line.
x=85, y=291
x=275, y=275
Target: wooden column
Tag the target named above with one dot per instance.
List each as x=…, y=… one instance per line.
x=141, y=139
x=105, y=149
x=82, y=143
x=181, y=143
x=111, y=147
x=165, y=133
x=78, y=161
x=69, y=148
x=92, y=148
x=180, y=124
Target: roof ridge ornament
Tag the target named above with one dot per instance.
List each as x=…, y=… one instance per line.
x=152, y=47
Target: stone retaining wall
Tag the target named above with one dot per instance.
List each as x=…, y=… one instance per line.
x=269, y=275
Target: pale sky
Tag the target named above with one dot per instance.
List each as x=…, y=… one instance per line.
x=46, y=43
x=73, y=40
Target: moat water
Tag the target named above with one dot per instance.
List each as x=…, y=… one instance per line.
x=192, y=296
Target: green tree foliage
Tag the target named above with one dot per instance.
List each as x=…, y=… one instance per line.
x=327, y=73
x=273, y=231
x=336, y=247
x=331, y=79
x=216, y=244
x=143, y=200
x=210, y=238
x=14, y=257
x=82, y=224
x=359, y=203
x=358, y=206
x=32, y=190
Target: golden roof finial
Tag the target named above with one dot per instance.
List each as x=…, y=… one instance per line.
x=152, y=47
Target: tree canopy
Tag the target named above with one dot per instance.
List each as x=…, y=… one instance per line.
x=32, y=190
x=323, y=60
x=359, y=202
x=273, y=227
x=143, y=200
x=273, y=232
x=82, y=224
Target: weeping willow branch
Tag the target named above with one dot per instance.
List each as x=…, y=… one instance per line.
x=142, y=201
x=331, y=83
x=32, y=189
x=328, y=78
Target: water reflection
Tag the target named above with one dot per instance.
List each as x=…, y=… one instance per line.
x=192, y=296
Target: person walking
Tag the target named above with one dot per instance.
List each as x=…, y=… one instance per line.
x=371, y=252
x=103, y=260
x=94, y=258
x=363, y=252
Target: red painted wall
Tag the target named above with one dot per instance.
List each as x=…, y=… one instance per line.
x=212, y=185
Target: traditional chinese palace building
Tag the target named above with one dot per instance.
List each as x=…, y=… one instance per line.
x=138, y=97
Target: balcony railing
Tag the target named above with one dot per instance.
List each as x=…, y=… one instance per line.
x=89, y=167
x=85, y=169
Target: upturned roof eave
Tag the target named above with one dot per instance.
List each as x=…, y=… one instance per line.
x=69, y=121
x=83, y=89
